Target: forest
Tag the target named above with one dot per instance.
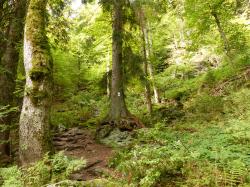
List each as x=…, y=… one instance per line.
x=125, y=93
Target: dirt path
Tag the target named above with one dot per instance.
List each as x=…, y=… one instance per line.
x=79, y=143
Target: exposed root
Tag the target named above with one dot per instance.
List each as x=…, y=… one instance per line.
x=124, y=124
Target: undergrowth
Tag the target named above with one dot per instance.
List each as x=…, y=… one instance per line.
x=54, y=169
x=193, y=151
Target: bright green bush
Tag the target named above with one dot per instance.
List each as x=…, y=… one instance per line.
x=12, y=177
x=53, y=169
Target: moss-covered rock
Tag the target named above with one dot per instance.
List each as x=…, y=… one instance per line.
x=114, y=136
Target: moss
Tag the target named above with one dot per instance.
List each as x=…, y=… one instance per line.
x=36, y=95
x=35, y=33
x=38, y=74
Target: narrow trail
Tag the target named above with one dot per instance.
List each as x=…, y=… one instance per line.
x=80, y=143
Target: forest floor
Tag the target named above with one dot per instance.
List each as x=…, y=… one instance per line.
x=81, y=143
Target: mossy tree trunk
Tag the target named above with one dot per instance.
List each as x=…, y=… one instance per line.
x=8, y=63
x=34, y=120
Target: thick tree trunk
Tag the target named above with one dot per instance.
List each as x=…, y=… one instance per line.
x=8, y=63
x=118, y=116
x=118, y=108
x=34, y=121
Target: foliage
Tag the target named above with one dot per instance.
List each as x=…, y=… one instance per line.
x=5, y=110
x=199, y=134
x=53, y=169
x=205, y=107
x=187, y=155
x=11, y=176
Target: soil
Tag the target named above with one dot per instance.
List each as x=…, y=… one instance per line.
x=80, y=143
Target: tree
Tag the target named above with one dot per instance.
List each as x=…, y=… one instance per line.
x=34, y=129
x=118, y=115
x=141, y=7
x=8, y=64
x=216, y=16
x=147, y=41
x=145, y=59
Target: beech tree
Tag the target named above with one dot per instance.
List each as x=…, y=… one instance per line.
x=9, y=56
x=34, y=120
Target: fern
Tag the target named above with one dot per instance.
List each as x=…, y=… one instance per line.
x=235, y=173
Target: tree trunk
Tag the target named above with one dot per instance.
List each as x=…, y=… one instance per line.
x=156, y=92
x=148, y=42
x=79, y=65
x=8, y=63
x=118, y=116
x=108, y=74
x=145, y=62
x=147, y=85
x=34, y=120
x=222, y=34
x=118, y=108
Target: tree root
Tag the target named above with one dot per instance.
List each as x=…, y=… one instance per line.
x=129, y=123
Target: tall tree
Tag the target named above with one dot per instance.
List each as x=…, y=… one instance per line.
x=148, y=50
x=145, y=60
x=8, y=64
x=118, y=106
x=118, y=115
x=34, y=121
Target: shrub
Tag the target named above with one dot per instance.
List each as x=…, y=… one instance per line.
x=205, y=107
x=181, y=157
x=53, y=169
x=11, y=176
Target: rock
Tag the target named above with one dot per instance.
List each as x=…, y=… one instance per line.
x=118, y=138
x=103, y=131
x=77, y=177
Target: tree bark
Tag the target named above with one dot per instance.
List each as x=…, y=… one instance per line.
x=148, y=43
x=8, y=63
x=118, y=115
x=118, y=108
x=34, y=129
x=145, y=62
x=222, y=34
x=108, y=74
x=147, y=85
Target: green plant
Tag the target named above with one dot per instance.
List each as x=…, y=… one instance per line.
x=11, y=177
x=63, y=166
x=205, y=107
x=54, y=169
x=187, y=155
